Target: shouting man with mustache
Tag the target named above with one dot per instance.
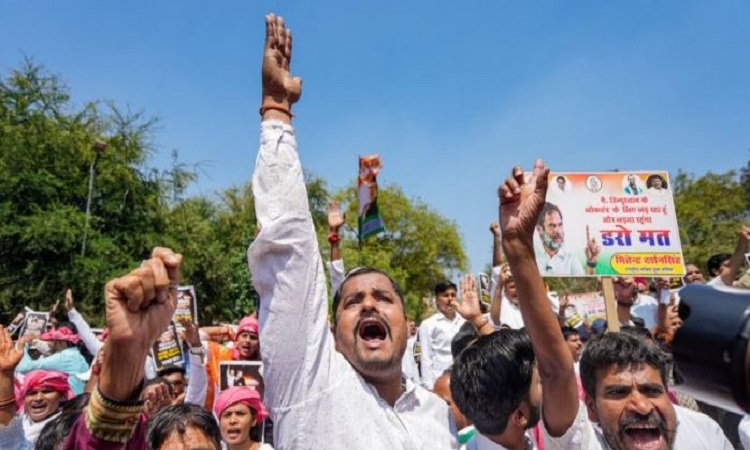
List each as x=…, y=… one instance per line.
x=340, y=389
x=625, y=379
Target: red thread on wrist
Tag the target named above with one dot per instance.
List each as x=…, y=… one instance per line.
x=333, y=237
x=283, y=109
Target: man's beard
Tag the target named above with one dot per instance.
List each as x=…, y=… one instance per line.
x=617, y=441
x=550, y=243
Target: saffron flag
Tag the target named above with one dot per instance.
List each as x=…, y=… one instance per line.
x=370, y=220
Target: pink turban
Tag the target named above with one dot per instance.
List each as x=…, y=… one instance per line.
x=60, y=334
x=243, y=395
x=248, y=323
x=49, y=379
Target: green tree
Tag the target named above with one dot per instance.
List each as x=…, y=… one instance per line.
x=46, y=151
x=709, y=211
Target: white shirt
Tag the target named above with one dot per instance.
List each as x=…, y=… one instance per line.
x=409, y=364
x=316, y=398
x=482, y=442
x=647, y=308
x=717, y=281
x=695, y=431
x=336, y=270
x=744, y=431
x=435, y=336
x=197, y=380
x=562, y=263
x=510, y=314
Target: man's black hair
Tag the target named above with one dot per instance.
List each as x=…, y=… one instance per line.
x=622, y=350
x=548, y=209
x=465, y=336
x=169, y=370
x=568, y=332
x=443, y=286
x=640, y=332
x=715, y=261
x=560, y=177
x=363, y=271
x=491, y=378
x=178, y=419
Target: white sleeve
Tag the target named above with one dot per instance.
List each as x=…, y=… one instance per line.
x=428, y=378
x=93, y=345
x=494, y=279
x=336, y=269
x=744, y=431
x=287, y=272
x=197, y=380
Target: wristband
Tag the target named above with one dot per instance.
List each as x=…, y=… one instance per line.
x=283, y=109
x=333, y=237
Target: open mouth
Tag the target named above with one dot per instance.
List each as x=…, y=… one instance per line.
x=37, y=407
x=643, y=436
x=233, y=433
x=372, y=330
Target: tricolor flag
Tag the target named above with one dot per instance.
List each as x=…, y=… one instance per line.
x=370, y=220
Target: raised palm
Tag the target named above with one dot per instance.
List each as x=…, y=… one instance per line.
x=10, y=352
x=335, y=217
x=469, y=307
x=521, y=202
x=278, y=82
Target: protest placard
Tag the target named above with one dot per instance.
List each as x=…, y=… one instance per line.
x=167, y=350
x=483, y=285
x=626, y=219
x=187, y=305
x=585, y=308
x=34, y=323
x=241, y=373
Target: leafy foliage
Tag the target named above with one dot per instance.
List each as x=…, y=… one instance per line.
x=47, y=151
x=709, y=211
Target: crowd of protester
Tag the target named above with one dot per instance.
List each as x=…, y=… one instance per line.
x=515, y=374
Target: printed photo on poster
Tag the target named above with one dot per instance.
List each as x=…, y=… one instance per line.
x=167, y=350
x=608, y=223
x=34, y=323
x=241, y=373
x=484, y=288
x=584, y=308
x=187, y=305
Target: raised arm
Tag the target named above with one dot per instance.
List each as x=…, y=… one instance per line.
x=285, y=259
x=497, y=247
x=336, y=267
x=497, y=294
x=521, y=201
x=738, y=257
x=93, y=345
x=469, y=307
x=11, y=430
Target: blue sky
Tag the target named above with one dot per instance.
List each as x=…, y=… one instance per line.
x=451, y=94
